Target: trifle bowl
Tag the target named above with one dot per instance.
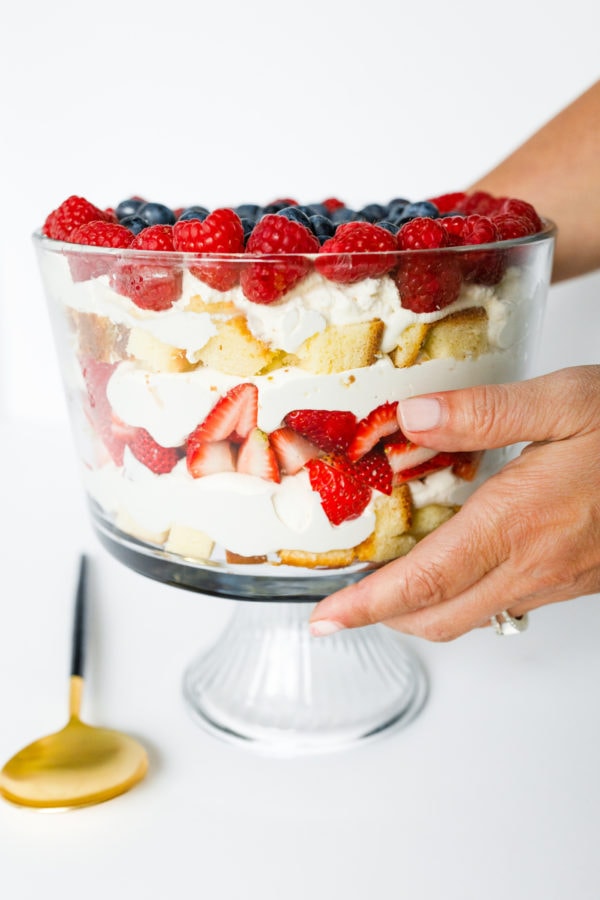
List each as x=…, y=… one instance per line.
x=232, y=380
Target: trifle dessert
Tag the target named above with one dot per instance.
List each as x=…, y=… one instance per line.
x=233, y=374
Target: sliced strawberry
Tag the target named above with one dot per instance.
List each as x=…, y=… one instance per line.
x=154, y=456
x=374, y=469
x=233, y=415
x=437, y=462
x=257, y=457
x=342, y=496
x=292, y=450
x=208, y=458
x=406, y=455
x=331, y=430
x=381, y=422
x=466, y=464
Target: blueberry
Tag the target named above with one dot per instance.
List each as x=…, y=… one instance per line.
x=249, y=211
x=156, y=214
x=389, y=226
x=344, y=214
x=275, y=207
x=322, y=227
x=373, y=212
x=193, y=212
x=295, y=214
x=128, y=207
x=247, y=225
x=395, y=208
x=316, y=209
x=134, y=223
x=414, y=210
x=453, y=212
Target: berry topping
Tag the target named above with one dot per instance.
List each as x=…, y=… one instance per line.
x=129, y=207
x=150, y=286
x=96, y=234
x=265, y=282
x=522, y=210
x=342, y=496
x=381, y=422
x=257, y=457
x=511, y=227
x=482, y=267
x=446, y=203
x=374, y=469
x=428, y=283
x=331, y=431
x=146, y=450
x=72, y=213
x=221, y=232
x=376, y=246
x=156, y=214
x=422, y=234
x=155, y=237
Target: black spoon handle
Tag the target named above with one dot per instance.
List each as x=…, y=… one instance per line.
x=79, y=621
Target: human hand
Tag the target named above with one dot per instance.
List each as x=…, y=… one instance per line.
x=530, y=535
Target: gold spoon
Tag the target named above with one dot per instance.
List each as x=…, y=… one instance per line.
x=80, y=764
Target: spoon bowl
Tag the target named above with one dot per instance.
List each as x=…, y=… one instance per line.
x=80, y=764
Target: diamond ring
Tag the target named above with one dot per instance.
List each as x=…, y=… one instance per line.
x=505, y=624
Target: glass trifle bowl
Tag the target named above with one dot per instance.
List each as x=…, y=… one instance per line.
x=235, y=416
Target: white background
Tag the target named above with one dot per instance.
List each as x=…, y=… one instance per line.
x=230, y=102
x=494, y=791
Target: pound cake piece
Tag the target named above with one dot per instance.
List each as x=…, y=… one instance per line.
x=125, y=522
x=330, y=559
x=427, y=518
x=461, y=335
x=390, y=537
x=234, y=350
x=189, y=542
x=341, y=347
x=410, y=344
x=98, y=337
x=154, y=354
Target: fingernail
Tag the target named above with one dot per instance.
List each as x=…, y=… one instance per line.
x=419, y=413
x=324, y=627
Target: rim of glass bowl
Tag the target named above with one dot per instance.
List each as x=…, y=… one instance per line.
x=547, y=233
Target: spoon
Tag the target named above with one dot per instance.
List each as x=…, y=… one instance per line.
x=80, y=764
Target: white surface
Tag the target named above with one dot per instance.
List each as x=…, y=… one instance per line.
x=239, y=102
x=493, y=792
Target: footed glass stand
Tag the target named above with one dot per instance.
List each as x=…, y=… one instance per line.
x=266, y=683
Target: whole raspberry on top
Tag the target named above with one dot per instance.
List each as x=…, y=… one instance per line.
x=482, y=266
x=96, y=234
x=72, y=212
x=273, y=235
x=221, y=232
x=337, y=260
x=422, y=233
x=428, y=281
x=149, y=285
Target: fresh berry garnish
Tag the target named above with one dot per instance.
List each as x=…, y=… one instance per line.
x=422, y=234
x=257, y=457
x=479, y=202
x=403, y=454
x=448, y=202
x=155, y=457
x=522, y=210
x=331, y=430
x=380, y=423
x=512, y=227
x=481, y=266
x=209, y=458
x=72, y=213
x=332, y=203
x=428, y=281
x=148, y=284
x=292, y=450
x=337, y=260
x=268, y=280
x=156, y=214
x=342, y=496
x=219, y=233
x=128, y=207
x=232, y=417
x=98, y=233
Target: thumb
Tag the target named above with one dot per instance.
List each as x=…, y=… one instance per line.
x=548, y=408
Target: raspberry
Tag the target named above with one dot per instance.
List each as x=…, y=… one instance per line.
x=422, y=233
x=483, y=267
x=479, y=202
x=332, y=203
x=72, y=213
x=265, y=282
x=522, y=210
x=428, y=281
x=511, y=227
x=149, y=285
x=374, y=244
x=448, y=202
x=221, y=232
x=98, y=233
